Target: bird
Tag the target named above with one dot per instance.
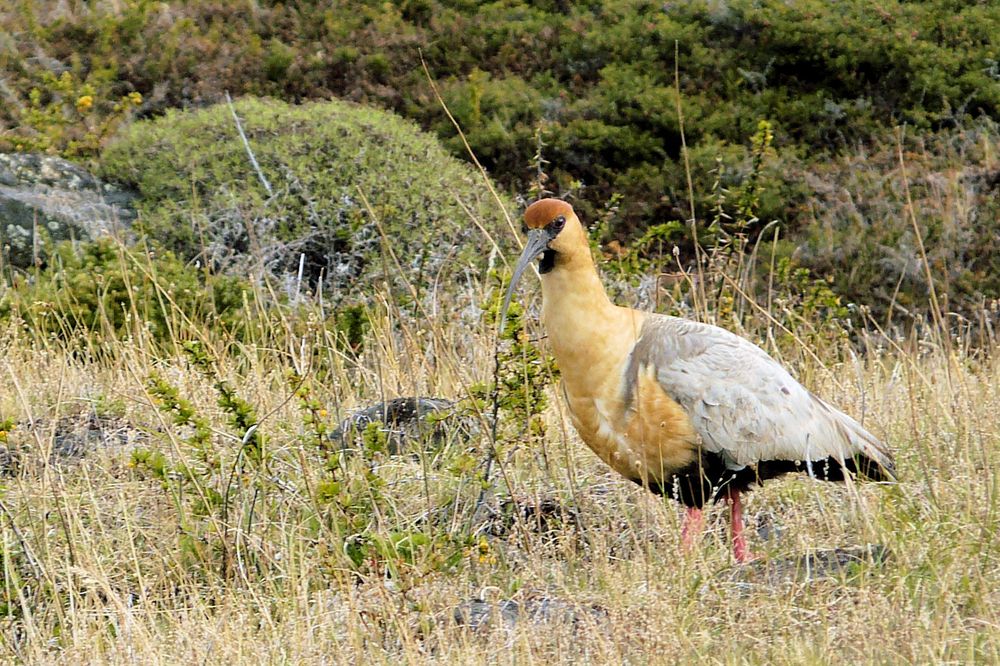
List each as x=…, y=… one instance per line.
x=686, y=409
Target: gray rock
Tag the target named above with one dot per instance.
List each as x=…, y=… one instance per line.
x=407, y=423
x=47, y=198
x=65, y=439
x=479, y=615
x=548, y=517
x=835, y=564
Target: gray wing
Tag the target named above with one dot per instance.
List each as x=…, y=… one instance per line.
x=743, y=404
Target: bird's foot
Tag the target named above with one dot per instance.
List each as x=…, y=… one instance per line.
x=741, y=551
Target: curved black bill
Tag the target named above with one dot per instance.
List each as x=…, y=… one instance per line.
x=538, y=239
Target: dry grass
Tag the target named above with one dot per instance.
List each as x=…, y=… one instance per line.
x=95, y=570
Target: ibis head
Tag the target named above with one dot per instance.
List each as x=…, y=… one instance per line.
x=554, y=233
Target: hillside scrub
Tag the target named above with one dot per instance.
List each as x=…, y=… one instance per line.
x=346, y=181
x=586, y=92
x=862, y=212
x=93, y=291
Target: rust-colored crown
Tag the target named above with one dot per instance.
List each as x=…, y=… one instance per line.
x=544, y=211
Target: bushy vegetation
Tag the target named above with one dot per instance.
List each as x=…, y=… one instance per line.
x=868, y=207
x=94, y=291
x=343, y=179
x=588, y=92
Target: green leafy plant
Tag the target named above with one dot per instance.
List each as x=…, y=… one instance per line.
x=70, y=117
x=524, y=372
x=206, y=480
x=103, y=290
x=351, y=500
x=6, y=426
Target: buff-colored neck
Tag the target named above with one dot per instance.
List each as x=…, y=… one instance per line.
x=589, y=335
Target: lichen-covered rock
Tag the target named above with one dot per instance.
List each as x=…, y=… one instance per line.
x=406, y=424
x=68, y=438
x=479, y=615
x=45, y=199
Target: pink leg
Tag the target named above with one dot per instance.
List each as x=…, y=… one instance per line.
x=740, y=549
x=691, y=528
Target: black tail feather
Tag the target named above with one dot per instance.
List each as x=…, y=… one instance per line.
x=708, y=478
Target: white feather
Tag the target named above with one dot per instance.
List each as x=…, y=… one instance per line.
x=744, y=404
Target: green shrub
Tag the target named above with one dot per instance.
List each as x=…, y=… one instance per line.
x=68, y=116
x=522, y=373
x=201, y=197
x=98, y=290
x=594, y=81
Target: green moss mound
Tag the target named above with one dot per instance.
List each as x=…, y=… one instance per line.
x=201, y=197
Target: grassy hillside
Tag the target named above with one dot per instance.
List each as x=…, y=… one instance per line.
x=586, y=94
x=170, y=489
x=143, y=520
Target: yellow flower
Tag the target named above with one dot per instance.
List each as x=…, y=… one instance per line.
x=135, y=98
x=322, y=413
x=484, y=553
x=85, y=103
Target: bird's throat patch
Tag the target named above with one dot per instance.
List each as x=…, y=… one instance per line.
x=548, y=262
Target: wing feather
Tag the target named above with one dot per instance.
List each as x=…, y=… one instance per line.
x=744, y=404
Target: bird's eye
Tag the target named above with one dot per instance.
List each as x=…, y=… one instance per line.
x=558, y=223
